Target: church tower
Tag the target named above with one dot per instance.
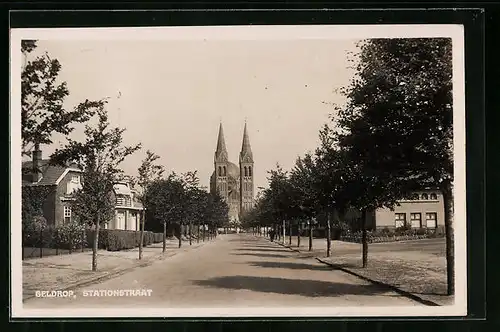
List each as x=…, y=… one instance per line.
x=246, y=174
x=221, y=165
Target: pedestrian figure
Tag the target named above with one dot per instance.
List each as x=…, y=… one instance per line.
x=272, y=235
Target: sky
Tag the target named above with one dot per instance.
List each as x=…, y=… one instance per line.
x=171, y=95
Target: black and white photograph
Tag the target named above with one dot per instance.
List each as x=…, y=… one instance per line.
x=238, y=171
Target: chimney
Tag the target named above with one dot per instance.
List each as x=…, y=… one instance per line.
x=37, y=161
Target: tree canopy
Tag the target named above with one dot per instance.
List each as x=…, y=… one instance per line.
x=43, y=112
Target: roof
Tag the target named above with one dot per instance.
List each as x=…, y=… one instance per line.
x=233, y=171
x=122, y=189
x=50, y=173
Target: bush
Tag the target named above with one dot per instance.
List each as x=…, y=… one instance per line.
x=36, y=232
x=70, y=235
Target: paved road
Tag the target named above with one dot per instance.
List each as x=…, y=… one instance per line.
x=236, y=270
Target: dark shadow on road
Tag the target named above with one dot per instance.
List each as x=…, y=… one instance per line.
x=261, y=244
x=277, y=249
x=261, y=248
x=293, y=266
x=345, y=265
x=310, y=288
x=262, y=255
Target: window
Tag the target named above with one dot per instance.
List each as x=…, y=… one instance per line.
x=75, y=179
x=220, y=171
x=414, y=197
x=425, y=196
x=416, y=220
x=434, y=196
x=120, y=220
x=246, y=171
x=400, y=219
x=249, y=171
x=431, y=219
x=67, y=214
x=128, y=201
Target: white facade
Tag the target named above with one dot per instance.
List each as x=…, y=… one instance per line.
x=425, y=210
x=127, y=208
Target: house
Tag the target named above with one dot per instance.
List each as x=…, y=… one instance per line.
x=425, y=209
x=62, y=182
x=127, y=209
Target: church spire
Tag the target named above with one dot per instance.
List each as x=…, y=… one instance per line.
x=221, y=150
x=246, y=150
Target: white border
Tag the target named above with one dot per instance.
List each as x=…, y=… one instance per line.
x=324, y=32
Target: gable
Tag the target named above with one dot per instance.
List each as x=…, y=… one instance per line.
x=51, y=174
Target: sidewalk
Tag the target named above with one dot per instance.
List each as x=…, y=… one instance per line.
x=416, y=267
x=75, y=270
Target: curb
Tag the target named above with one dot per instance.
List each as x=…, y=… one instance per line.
x=147, y=262
x=382, y=284
x=379, y=283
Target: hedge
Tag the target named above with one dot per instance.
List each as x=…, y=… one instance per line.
x=64, y=237
x=393, y=235
x=116, y=239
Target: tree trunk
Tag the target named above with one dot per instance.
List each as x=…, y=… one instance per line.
x=180, y=234
x=190, y=233
x=164, y=236
x=310, y=235
x=95, y=245
x=290, y=233
x=364, y=238
x=204, y=231
x=141, y=226
x=298, y=235
x=449, y=232
x=198, y=234
x=83, y=240
x=328, y=236
x=41, y=242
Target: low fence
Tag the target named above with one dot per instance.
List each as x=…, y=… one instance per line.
x=374, y=236
x=386, y=235
x=51, y=241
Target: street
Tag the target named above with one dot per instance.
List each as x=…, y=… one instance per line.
x=237, y=270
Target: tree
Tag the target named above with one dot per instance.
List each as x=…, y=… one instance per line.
x=280, y=194
x=33, y=223
x=42, y=101
x=163, y=201
x=303, y=179
x=398, y=123
x=99, y=156
x=192, y=198
x=33, y=198
x=218, y=212
x=148, y=172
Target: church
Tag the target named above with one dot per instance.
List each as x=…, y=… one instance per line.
x=234, y=183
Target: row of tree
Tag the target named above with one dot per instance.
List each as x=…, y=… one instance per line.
x=179, y=199
x=394, y=135
x=99, y=155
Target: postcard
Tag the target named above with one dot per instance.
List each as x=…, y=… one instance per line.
x=238, y=171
